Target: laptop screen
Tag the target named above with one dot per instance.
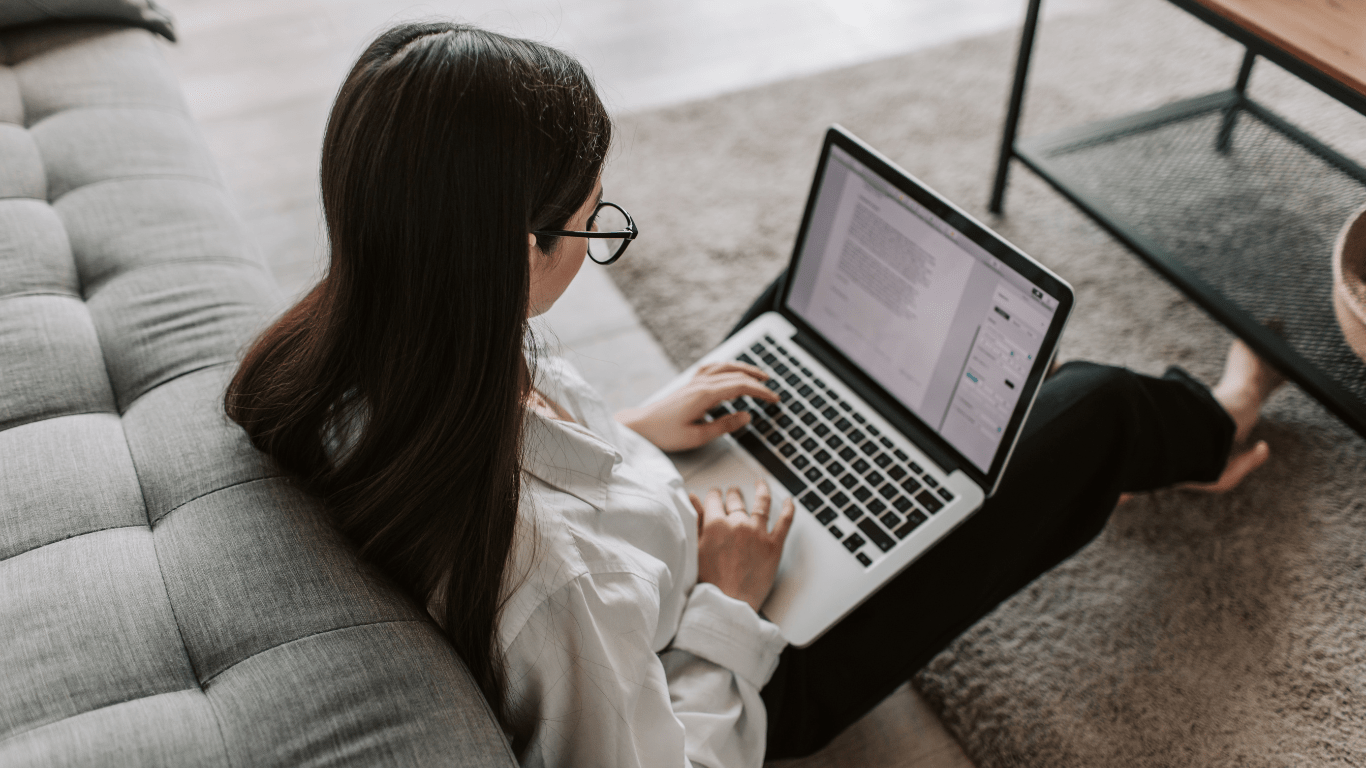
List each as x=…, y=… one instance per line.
x=940, y=323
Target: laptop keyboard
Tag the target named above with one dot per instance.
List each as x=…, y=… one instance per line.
x=856, y=481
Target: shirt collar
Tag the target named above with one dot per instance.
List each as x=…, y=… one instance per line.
x=568, y=456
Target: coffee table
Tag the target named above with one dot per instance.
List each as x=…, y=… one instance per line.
x=1229, y=201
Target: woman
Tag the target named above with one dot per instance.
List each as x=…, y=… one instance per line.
x=608, y=618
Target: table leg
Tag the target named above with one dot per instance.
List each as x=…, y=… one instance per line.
x=998, y=191
x=1231, y=114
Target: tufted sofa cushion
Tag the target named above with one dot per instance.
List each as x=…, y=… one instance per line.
x=165, y=597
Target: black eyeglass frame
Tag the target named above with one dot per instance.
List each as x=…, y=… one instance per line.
x=625, y=235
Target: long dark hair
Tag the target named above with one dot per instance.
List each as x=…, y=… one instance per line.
x=394, y=389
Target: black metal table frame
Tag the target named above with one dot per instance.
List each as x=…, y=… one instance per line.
x=1262, y=339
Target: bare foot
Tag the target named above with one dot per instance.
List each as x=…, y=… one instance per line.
x=1246, y=384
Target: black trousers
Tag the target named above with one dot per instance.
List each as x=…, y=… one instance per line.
x=1095, y=431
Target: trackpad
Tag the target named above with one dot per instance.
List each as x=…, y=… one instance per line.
x=731, y=467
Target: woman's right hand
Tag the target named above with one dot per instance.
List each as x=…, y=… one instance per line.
x=736, y=551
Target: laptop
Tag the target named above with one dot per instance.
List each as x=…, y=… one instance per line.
x=909, y=343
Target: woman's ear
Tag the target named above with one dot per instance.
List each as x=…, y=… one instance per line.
x=530, y=243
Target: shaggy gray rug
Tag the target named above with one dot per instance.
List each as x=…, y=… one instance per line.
x=1196, y=630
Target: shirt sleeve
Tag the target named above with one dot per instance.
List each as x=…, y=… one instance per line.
x=588, y=689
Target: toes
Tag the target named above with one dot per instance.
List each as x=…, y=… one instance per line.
x=1238, y=468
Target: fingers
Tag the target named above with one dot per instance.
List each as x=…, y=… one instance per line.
x=784, y=524
x=728, y=386
x=729, y=367
x=697, y=506
x=735, y=501
x=724, y=425
x=712, y=507
x=763, y=499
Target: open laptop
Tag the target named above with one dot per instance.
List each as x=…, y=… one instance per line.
x=908, y=346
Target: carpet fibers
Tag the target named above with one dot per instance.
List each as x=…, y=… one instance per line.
x=1196, y=630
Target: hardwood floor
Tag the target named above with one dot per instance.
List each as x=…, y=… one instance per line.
x=259, y=76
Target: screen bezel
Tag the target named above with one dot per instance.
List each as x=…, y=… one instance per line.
x=929, y=440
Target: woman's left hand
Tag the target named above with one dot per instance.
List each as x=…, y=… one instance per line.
x=676, y=423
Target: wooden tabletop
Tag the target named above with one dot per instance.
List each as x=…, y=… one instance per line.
x=1330, y=35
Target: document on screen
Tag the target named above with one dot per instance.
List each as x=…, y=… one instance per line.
x=888, y=286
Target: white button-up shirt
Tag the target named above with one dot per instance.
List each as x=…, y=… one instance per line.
x=616, y=656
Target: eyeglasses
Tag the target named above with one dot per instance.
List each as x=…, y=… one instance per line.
x=611, y=230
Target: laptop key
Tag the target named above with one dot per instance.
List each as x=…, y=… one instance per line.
x=821, y=456
x=945, y=495
x=917, y=469
x=773, y=409
x=931, y=482
x=839, y=500
x=875, y=507
x=826, y=486
x=768, y=357
x=853, y=542
x=885, y=443
x=849, y=481
x=896, y=472
x=836, y=532
x=821, y=430
x=836, y=469
x=776, y=466
x=929, y=501
x=797, y=433
x=883, y=460
x=911, y=485
x=862, y=558
x=812, y=501
x=874, y=478
x=808, y=418
x=787, y=449
x=830, y=413
x=826, y=515
x=800, y=462
x=889, y=490
x=848, y=454
x=844, y=425
x=796, y=407
x=900, y=454
x=818, y=383
x=859, y=418
x=794, y=380
x=834, y=441
x=911, y=524
x=817, y=402
x=780, y=369
x=804, y=390
x=862, y=493
x=876, y=534
x=756, y=348
x=890, y=520
x=856, y=437
x=860, y=466
x=902, y=504
x=853, y=511
x=869, y=448
x=813, y=474
x=763, y=426
x=809, y=444
x=776, y=437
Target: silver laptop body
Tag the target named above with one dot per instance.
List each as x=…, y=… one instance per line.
x=908, y=347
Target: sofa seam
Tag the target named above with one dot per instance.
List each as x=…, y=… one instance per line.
x=206, y=494
x=185, y=176
x=140, y=267
x=83, y=713
x=69, y=537
x=209, y=681
x=24, y=294
x=164, y=382
x=115, y=413
x=107, y=107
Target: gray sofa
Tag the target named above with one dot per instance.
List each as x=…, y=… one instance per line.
x=166, y=598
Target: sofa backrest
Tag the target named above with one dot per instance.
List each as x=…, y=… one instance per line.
x=165, y=597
